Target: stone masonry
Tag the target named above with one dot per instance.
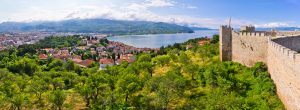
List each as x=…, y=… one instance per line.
x=279, y=50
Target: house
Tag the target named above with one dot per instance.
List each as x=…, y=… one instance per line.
x=83, y=63
x=103, y=54
x=189, y=46
x=93, y=52
x=82, y=47
x=61, y=56
x=48, y=50
x=203, y=42
x=105, y=62
x=77, y=61
x=130, y=58
x=86, y=63
x=43, y=57
x=100, y=49
x=75, y=57
x=1, y=47
x=94, y=42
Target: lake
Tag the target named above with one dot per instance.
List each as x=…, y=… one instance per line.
x=158, y=40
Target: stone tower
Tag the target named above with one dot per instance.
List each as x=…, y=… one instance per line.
x=248, y=29
x=225, y=43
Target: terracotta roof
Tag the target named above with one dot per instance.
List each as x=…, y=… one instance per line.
x=83, y=63
x=106, y=61
x=128, y=57
x=43, y=56
x=78, y=61
x=189, y=46
x=202, y=42
x=47, y=49
x=87, y=62
x=76, y=57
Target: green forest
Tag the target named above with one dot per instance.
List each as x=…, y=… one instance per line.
x=173, y=78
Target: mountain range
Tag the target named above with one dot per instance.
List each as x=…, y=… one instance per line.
x=105, y=26
x=279, y=29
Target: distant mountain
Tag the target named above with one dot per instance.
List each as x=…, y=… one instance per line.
x=96, y=26
x=279, y=29
x=200, y=28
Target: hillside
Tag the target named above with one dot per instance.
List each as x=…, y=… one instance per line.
x=172, y=79
x=96, y=26
x=201, y=28
x=279, y=29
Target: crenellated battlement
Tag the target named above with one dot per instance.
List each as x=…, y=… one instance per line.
x=225, y=26
x=279, y=50
x=283, y=50
x=255, y=34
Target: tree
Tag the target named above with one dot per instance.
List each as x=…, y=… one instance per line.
x=95, y=87
x=192, y=69
x=24, y=65
x=183, y=58
x=168, y=88
x=215, y=39
x=27, y=48
x=161, y=60
x=69, y=65
x=144, y=58
x=127, y=85
x=57, y=98
x=38, y=87
x=55, y=65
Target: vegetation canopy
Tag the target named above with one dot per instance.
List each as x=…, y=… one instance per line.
x=176, y=77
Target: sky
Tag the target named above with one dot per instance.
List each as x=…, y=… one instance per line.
x=198, y=13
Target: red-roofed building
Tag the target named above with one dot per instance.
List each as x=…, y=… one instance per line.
x=189, y=46
x=86, y=63
x=83, y=63
x=128, y=57
x=77, y=61
x=106, y=62
x=48, y=50
x=43, y=57
x=203, y=42
x=1, y=47
x=76, y=57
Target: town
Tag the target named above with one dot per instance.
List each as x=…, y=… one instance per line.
x=92, y=49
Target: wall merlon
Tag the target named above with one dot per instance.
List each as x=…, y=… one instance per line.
x=225, y=26
x=297, y=57
x=248, y=33
x=255, y=34
x=292, y=54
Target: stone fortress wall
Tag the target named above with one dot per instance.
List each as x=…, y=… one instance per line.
x=249, y=47
x=279, y=50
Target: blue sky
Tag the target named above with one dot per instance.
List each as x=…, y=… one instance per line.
x=202, y=13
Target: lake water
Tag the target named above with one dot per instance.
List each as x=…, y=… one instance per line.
x=158, y=40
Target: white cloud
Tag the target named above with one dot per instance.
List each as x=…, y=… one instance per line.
x=130, y=11
x=116, y=13
x=142, y=15
x=192, y=7
x=160, y=3
x=273, y=24
x=151, y=4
